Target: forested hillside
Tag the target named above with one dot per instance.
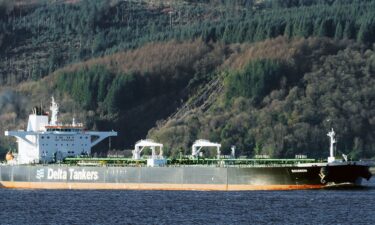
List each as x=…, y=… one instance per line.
x=283, y=104
x=270, y=77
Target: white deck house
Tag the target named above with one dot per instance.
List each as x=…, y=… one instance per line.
x=47, y=141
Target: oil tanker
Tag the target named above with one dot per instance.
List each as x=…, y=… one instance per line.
x=52, y=155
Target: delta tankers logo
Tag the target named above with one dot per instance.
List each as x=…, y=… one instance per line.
x=70, y=174
x=39, y=174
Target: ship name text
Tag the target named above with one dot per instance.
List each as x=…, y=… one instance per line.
x=71, y=174
x=299, y=170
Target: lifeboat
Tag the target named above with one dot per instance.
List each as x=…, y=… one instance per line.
x=9, y=156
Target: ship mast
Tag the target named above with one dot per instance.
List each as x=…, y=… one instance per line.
x=331, y=157
x=55, y=110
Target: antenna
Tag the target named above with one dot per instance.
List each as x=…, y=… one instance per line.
x=109, y=143
x=170, y=19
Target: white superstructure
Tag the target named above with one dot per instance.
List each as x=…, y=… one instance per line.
x=48, y=141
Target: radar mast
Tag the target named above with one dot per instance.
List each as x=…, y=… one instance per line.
x=54, y=110
x=331, y=135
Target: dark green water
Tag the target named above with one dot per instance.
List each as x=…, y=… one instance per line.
x=188, y=207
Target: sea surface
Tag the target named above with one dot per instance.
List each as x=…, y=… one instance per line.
x=355, y=206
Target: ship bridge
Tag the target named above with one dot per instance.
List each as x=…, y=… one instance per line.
x=47, y=141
